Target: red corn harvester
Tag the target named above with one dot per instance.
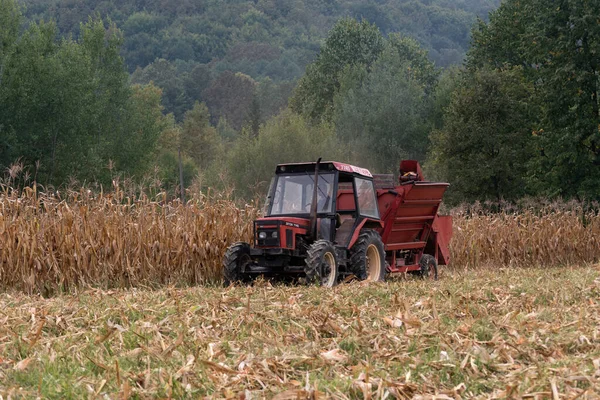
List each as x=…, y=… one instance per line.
x=350, y=223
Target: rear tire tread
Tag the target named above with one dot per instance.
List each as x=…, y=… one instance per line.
x=426, y=263
x=358, y=254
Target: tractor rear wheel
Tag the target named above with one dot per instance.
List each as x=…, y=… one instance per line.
x=321, y=264
x=237, y=257
x=367, y=257
x=428, y=266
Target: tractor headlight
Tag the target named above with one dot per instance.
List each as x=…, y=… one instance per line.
x=274, y=235
x=262, y=235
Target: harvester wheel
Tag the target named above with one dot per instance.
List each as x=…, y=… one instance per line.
x=428, y=266
x=321, y=264
x=237, y=257
x=367, y=257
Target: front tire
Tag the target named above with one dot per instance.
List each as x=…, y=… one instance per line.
x=321, y=264
x=236, y=259
x=367, y=257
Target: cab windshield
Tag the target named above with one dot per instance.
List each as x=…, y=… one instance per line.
x=294, y=194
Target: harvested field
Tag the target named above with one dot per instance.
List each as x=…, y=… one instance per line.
x=530, y=333
x=51, y=244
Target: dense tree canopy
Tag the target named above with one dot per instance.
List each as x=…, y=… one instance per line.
x=384, y=113
x=197, y=41
x=485, y=143
x=66, y=109
x=349, y=44
x=224, y=90
x=558, y=46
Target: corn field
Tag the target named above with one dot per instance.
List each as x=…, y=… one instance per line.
x=555, y=235
x=50, y=243
x=110, y=240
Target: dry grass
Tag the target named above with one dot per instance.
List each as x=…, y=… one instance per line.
x=550, y=236
x=48, y=243
x=502, y=333
x=52, y=244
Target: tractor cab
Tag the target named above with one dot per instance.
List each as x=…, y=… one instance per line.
x=341, y=187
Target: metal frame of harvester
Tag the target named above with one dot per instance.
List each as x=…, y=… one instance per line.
x=350, y=223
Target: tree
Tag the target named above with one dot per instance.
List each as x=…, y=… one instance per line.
x=230, y=96
x=486, y=142
x=384, y=116
x=420, y=66
x=66, y=106
x=199, y=140
x=44, y=96
x=167, y=159
x=273, y=97
x=254, y=116
x=350, y=43
x=558, y=45
x=10, y=21
x=285, y=138
x=448, y=82
x=165, y=75
x=134, y=149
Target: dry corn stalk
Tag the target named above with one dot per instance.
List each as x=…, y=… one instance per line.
x=49, y=243
x=107, y=240
x=547, y=237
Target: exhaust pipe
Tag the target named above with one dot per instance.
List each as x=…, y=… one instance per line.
x=313, y=206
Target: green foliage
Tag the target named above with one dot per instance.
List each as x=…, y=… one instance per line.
x=486, y=141
x=230, y=96
x=559, y=47
x=66, y=109
x=385, y=117
x=133, y=146
x=261, y=39
x=10, y=21
x=225, y=131
x=167, y=159
x=420, y=66
x=287, y=138
x=381, y=100
x=182, y=83
x=350, y=43
x=199, y=140
x=254, y=116
x=448, y=82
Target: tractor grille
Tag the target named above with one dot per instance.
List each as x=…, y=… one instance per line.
x=269, y=241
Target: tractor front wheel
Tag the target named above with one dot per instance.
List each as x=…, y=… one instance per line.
x=367, y=257
x=428, y=266
x=321, y=264
x=237, y=257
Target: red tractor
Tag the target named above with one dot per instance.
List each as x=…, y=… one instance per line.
x=350, y=223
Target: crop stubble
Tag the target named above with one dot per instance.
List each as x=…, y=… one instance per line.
x=506, y=333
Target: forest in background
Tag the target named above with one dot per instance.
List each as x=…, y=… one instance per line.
x=105, y=90
x=190, y=49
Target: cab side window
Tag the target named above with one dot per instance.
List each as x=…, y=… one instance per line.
x=367, y=199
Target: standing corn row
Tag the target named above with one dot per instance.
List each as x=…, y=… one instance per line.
x=48, y=244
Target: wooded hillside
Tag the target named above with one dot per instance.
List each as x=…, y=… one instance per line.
x=184, y=47
x=233, y=88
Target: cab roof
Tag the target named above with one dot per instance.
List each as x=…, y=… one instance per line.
x=324, y=166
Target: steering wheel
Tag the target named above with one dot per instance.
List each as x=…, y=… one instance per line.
x=308, y=206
